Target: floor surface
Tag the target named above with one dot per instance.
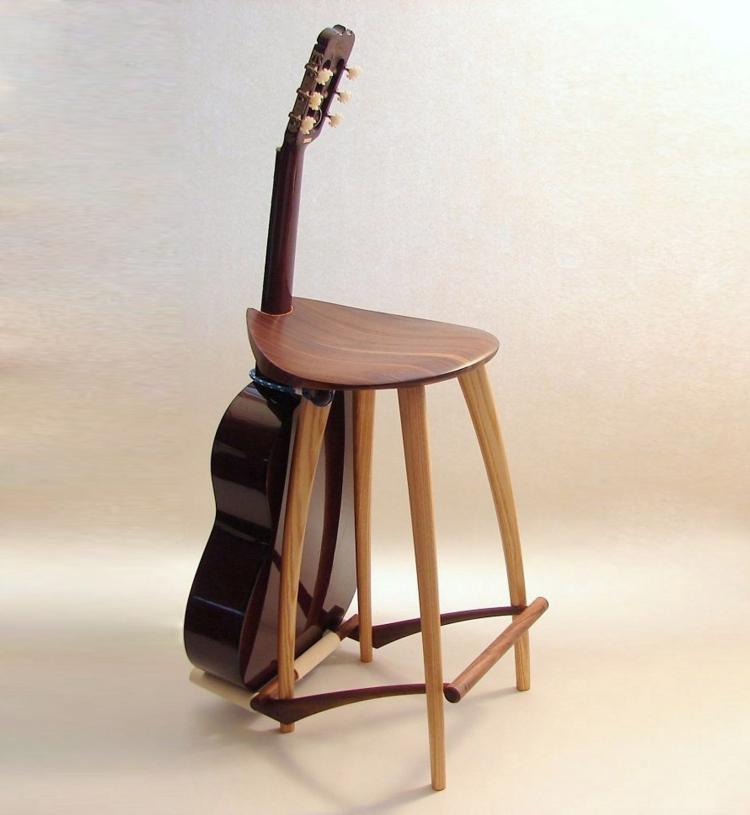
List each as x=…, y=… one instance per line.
x=639, y=700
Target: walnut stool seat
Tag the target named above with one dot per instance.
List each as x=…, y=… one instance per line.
x=331, y=347
x=323, y=346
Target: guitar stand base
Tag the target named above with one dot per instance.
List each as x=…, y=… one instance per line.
x=288, y=711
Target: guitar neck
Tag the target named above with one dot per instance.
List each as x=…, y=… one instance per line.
x=310, y=111
x=282, y=229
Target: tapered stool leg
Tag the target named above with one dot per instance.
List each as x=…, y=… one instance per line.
x=416, y=452
x=478, y=395
x=364, y=420
x=311, y=424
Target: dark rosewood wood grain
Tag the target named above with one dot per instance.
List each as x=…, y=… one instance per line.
x=332, y=347
x=230, y=620
x=456, y=690
x=386, y=633
x=288, y=711
x=346, y=628
x=282, y=230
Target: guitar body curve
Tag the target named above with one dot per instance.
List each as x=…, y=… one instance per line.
x=232, y=610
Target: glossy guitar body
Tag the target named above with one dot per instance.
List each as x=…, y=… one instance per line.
x=231, y=616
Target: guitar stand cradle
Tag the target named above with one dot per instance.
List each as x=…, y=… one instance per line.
x=322, y=347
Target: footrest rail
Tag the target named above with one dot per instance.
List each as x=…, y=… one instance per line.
x=386, y=633
x=456, y=690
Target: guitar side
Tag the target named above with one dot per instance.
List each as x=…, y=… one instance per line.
x=230, y=620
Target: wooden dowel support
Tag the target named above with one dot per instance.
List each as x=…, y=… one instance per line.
x=314, y=655
x=456, y=690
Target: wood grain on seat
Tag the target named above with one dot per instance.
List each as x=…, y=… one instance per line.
x=327, y=346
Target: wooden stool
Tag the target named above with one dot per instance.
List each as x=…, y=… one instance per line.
x=325, y=347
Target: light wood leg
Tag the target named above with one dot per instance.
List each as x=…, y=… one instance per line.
x=364, y=420
x=311, y=424
x=416, y=452
x=478, y=395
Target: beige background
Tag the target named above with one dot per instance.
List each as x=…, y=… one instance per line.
x=571, y=176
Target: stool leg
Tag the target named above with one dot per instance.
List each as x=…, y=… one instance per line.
x=311, y=424
x=478, y=395
x=417, y=454
x=364, y=418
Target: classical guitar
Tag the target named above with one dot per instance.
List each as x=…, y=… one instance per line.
x=231, y=616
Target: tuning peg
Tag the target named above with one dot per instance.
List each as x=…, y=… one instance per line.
x=306, y=125
x=354, y=71
x=335, y=119
x=344, y=96
x=324, y=76
x=315, y=100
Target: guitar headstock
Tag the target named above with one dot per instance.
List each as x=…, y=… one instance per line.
x=319, y=86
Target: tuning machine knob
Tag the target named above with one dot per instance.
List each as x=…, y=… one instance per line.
x=354, y=71
x=344, y=96
x=306, y=125
x=315, y=100
x=335, y=119
x=324, y=76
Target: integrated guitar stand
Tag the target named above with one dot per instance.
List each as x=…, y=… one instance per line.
x=326, y=347
x=289, y=711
